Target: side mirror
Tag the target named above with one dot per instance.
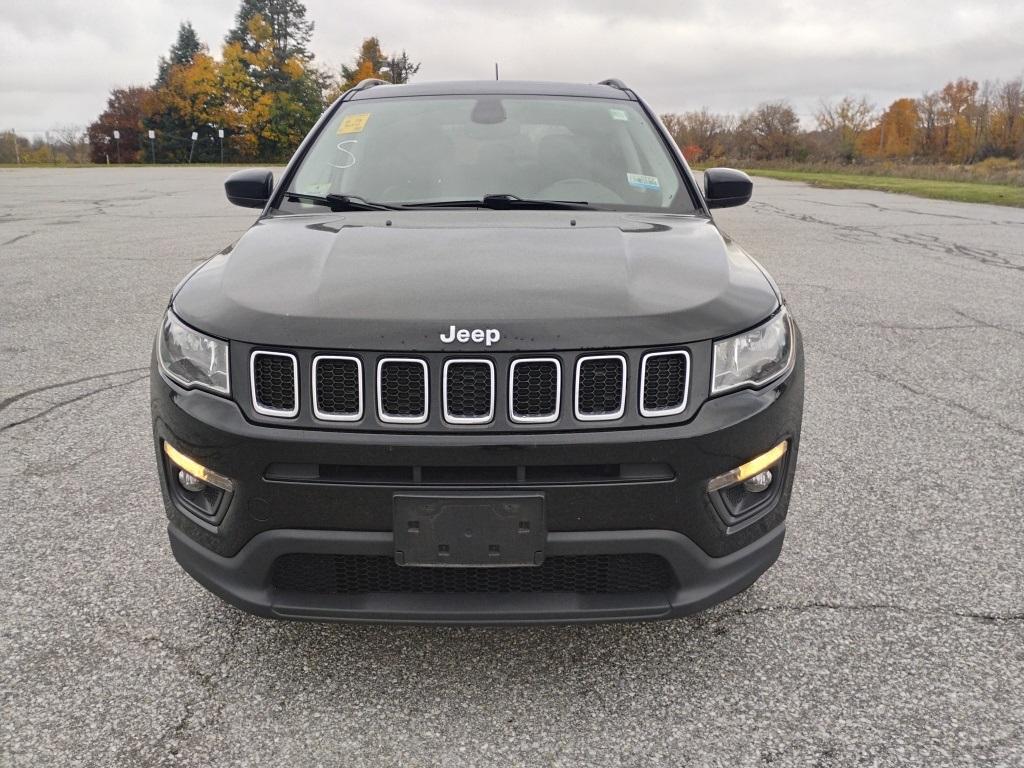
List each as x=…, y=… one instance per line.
x=250, y=188
x=726, y=187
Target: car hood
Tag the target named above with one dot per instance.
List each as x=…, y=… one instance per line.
x=543, y=279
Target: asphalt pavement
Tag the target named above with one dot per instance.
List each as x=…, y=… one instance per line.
x=891, y=631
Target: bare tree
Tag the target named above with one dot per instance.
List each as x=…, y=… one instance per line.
x=770, y=132
x=69, y=142
x=843, y=122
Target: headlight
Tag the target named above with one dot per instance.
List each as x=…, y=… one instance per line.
x=754, y=358
x=192, y=359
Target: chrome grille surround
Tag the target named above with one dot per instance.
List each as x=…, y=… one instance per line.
x=467, y=361
x=544, y=419
x=264, y=410
x=604, y=416
x=675, y=410
x=327, y=416
x=401, y=419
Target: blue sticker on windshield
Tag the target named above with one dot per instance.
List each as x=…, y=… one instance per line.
x=640, y=181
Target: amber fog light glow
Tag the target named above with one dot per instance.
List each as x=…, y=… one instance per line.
x=196, y=470
x=751, y=469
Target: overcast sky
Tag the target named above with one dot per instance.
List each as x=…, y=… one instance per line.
x=59, y=58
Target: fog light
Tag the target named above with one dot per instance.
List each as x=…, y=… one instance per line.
x=196, y=470
x=760, y=482
x=751, y=469
x=190, y=482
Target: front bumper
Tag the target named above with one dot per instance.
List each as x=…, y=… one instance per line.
x=670, y=516
x=244, y=580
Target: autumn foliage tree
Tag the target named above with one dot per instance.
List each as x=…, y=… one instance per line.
x=264, y=91
x=373, y=62
x=124, y=113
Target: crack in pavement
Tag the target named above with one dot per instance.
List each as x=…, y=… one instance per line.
x=900, y=211
x=974, y=412
x=69, y=401
x=6, y=402
x=987, y=324
x=16, y=239
x=860, y=234
x=991, y=617
x=210, y=682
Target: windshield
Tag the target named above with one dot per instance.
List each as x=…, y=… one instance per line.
x=420, y=150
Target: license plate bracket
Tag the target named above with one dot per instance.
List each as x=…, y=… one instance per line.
x=469, y=530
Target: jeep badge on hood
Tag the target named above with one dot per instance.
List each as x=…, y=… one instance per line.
x=487, y=336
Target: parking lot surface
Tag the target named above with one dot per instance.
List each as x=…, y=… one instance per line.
x=891, y=631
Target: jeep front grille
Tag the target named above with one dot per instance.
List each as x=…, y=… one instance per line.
x=664, y=383
x=600, y=387
x=402, y=390
x=535, y=390
x=507, y=392
x=275, y=383
x=337, y=388
x=468, y=391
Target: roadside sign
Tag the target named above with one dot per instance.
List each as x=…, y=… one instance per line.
x=117, y=134
x=195, y=135
x=152, y=134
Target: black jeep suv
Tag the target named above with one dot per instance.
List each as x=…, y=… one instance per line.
x=483, y=357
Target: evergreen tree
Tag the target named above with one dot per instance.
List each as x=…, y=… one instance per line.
x=401, y=68
x=182, y=52
x=290, y=29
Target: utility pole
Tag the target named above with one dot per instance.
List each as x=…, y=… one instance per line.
x=195, y=135
x=117, y=144
x=152, y=145
x=17, y=154
x=495, y=70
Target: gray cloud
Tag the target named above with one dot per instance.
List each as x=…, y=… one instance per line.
x=59, y=58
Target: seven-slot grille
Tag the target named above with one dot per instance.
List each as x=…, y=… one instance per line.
x=470, y=388
x=402, y=390
x=600, y=387
x=275, y=383
x=664, y=383
x=468, y=391
x=535, y=390
x=337, y=388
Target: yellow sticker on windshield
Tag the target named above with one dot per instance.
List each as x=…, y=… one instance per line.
x=353, y=123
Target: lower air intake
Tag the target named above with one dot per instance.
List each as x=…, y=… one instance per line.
x=366, y=574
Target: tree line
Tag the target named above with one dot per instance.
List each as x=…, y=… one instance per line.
x=254, y=103
x=963, y=122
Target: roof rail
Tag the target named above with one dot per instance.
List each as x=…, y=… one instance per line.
x=614, y=82
x=370, y=82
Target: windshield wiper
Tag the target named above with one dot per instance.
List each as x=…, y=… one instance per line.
x=506, y=202
x=342, y=202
